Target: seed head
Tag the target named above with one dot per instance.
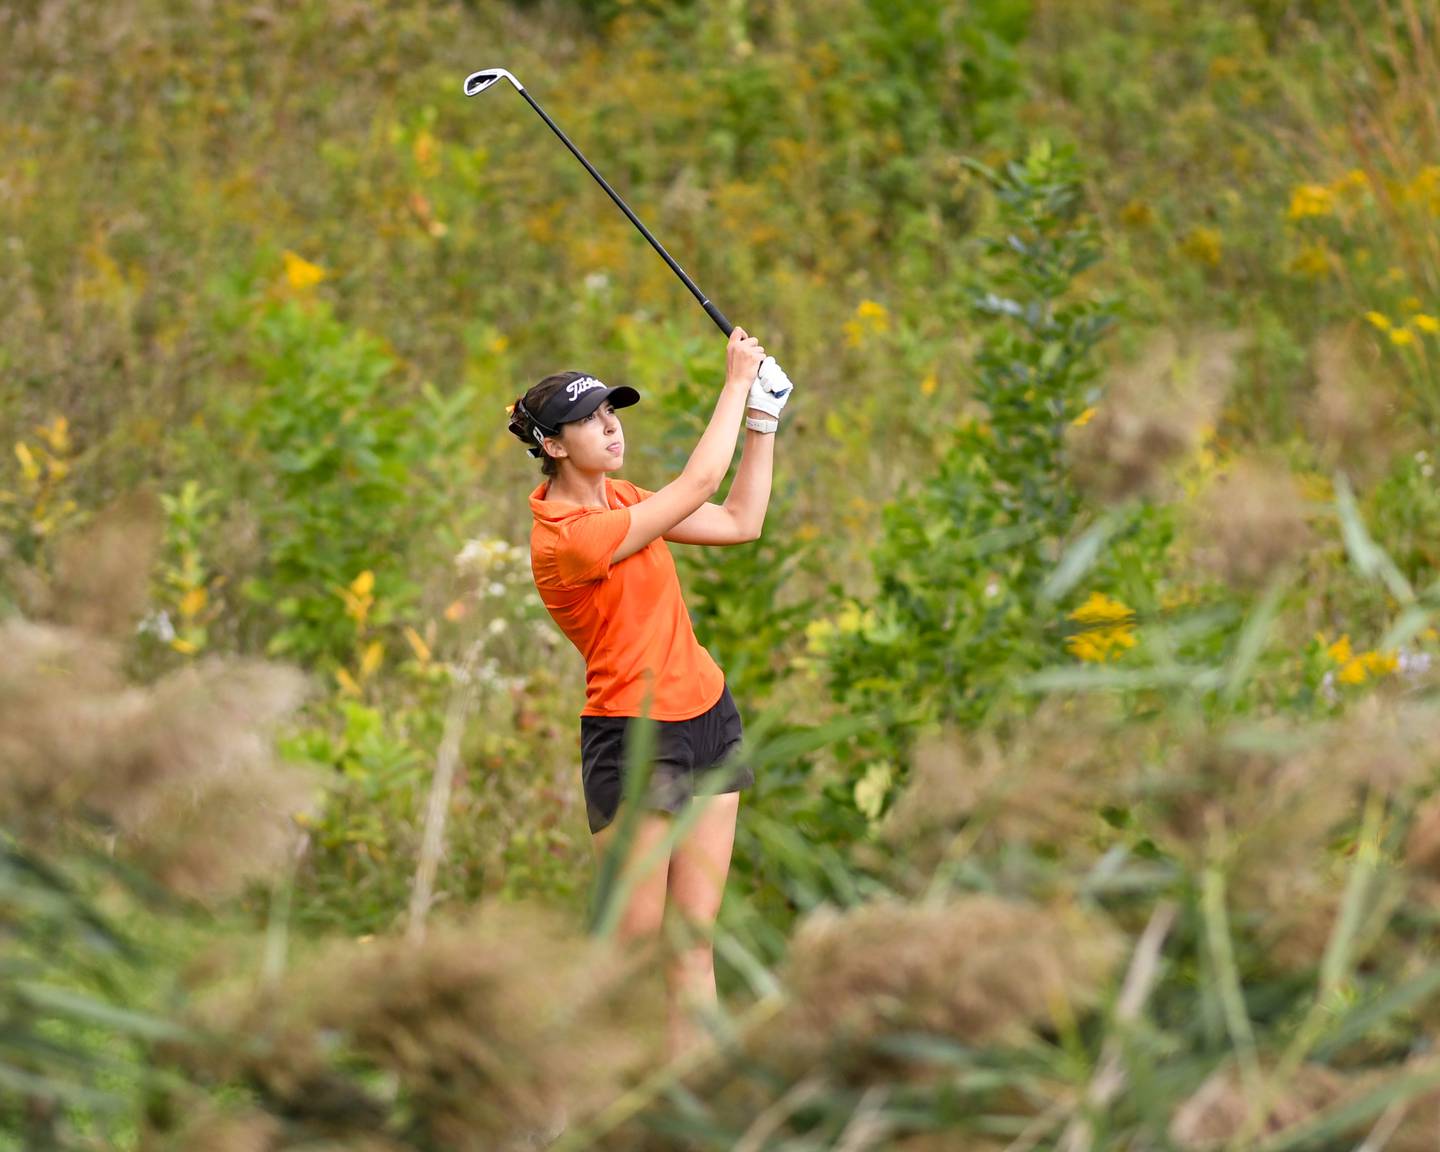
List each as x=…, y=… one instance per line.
x=1152, y=412
x=979, y=969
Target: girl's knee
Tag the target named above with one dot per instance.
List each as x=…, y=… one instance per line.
x=643, y=919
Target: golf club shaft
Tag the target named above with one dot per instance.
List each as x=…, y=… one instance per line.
x=710, y=310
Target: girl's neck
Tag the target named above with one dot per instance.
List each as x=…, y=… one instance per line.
x=584, y=488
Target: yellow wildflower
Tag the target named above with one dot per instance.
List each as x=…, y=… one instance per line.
x=424, y=152
x=1316, y=486
x=1402, y=336
x=870, y=317
x=871, y=789
x=56, y=434
x=1204, y=246
x=1356, y=668
x=1380, y=663
x=1084, y=418
x=184, y=647
x=1312, y=261
x=1222, y=67
x=1100, y=644
x=1354, y=180
x=359, y=597
x=28, y=467
x=300, y=274
x=851, y=620
x=1110, y=629
x=1176, y=598
x=1101, y=609
x=1379, y=320
x=421, y=649
x=1425, y=189
x=1137, y=214
x=371, y=660
x=1367, y=666
x=193, y=603
x=1411, y=304
x=817, y=636
x=929, y=383
x=1426, y=323
x=1353, y=672
x=347, y=682
x=1310, y=200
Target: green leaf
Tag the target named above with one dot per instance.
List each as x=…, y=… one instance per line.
x=77, y=1006
x=1364, y=1018
x=1080, y=557
x=1368, y=557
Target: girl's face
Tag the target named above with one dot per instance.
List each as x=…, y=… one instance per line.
x=594, y=443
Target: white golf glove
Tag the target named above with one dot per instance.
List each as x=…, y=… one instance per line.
x=771, y=388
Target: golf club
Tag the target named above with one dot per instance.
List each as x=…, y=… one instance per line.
x=477, y=82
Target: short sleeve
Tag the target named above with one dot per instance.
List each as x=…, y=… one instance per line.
x=586, y=543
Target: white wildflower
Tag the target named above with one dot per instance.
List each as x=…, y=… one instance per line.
x=157, y=624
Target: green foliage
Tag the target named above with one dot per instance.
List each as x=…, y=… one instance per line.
x=362, y=844
x=839, y=175
x=960, y=566
x=347, y=476
x=72, y=1040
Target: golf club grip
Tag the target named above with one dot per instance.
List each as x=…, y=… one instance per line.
x=719, y=317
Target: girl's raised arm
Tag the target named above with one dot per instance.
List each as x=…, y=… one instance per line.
x=705, y=471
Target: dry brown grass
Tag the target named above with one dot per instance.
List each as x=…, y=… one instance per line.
x=1220, y=1110
x=1039, y=785
x=1422, y=857
x=1355, y=414
x=181, y=771
x=1152, y=412
x=978, y=968
x=483, y=1030
x=1248, y=523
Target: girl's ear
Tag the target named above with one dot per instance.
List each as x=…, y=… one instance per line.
x=553, y=448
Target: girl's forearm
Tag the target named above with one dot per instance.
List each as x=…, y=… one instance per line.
x=711, y=458
x=749, y=494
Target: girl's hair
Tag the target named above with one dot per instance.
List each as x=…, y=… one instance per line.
x=522, y=421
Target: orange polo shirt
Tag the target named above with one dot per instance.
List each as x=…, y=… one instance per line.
x=628, y=619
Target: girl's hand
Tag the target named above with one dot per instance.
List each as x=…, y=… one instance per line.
x=743, y=356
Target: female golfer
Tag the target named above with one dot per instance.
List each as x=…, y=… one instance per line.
x=603, y=571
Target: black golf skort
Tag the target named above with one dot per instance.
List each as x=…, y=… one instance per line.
x=684, y=752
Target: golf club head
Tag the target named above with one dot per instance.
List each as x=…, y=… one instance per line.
x=477, y=82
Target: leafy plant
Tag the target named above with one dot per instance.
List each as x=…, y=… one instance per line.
x=963, y=558
x=348, y=474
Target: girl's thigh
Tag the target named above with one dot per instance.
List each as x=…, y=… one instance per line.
x=647, y=866
x=700, y=862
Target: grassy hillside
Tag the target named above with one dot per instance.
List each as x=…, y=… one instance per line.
x=1087, y=657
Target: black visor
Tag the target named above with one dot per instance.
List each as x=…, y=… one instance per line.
x=578, y=399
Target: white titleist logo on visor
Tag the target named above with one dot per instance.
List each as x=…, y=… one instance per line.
x=584, y=384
